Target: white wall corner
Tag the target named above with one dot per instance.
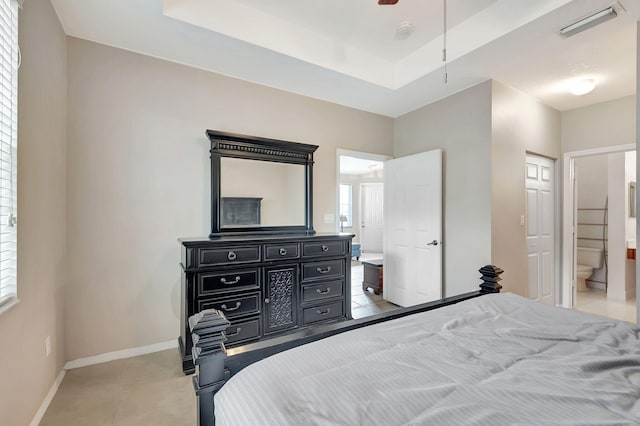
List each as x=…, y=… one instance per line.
x=124, y=353
x=47, y=400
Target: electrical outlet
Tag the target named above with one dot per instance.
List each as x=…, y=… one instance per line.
x=47, y=345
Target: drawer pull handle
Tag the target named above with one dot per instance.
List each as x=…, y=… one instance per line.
x=327, y=291
x=235, y=333
x=321, y=313
x=324, y=271
x=232, y=255
x=224, y=307
x=223, y=280
x=325, y=248
x=283, y=251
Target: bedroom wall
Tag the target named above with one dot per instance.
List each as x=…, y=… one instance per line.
x=27, y=373
x=138, y=178
x=520, y=125
x=461, y=126
x=616, y=247
x=604, y=124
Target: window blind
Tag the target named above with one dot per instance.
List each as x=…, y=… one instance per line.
x=9, y=63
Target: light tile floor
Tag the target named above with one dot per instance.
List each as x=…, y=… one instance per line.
x=594, y=301
x=366, y=303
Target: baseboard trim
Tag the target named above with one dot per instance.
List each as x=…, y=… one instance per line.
x=124, y=353
x=47, y=400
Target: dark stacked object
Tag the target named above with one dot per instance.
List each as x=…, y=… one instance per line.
x=207, y=331
x=490, y=278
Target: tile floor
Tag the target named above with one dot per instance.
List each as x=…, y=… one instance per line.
x=366, y=303
x=594, y=301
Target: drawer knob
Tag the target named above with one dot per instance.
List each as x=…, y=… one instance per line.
x=267, y=300
x=224, y=307
x=235, y=333
x=327, y=291
x=231, y=255
x=223, y=280
x=325, y=248
x=324, y=271
x=283, y=251
x=322, y=313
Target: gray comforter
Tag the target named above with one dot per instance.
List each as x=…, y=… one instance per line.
x=494, y=360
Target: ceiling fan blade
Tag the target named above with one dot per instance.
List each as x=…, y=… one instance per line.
x=387, y=1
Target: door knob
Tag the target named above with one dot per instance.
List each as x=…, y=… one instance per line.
x=433, y=243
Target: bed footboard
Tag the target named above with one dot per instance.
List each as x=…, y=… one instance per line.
x=215, y=364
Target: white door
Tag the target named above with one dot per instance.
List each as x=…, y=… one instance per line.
x=413, y=229
x=540, y=228
x=371, y=214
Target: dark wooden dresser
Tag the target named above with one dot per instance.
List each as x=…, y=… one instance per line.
x=265, y=285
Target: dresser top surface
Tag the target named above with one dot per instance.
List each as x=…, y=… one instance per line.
x=193, y=242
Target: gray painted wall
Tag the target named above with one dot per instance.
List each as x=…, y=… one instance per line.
x=138, y=178
x=27, y=373
x=520, y=125
x=461, y=126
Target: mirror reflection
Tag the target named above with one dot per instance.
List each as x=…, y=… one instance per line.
x=260, y=193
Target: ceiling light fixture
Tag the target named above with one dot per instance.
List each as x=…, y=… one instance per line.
x=590, y=21
x=582, y=86
x=404, y=30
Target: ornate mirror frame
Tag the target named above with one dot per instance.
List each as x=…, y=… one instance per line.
x=232, y=145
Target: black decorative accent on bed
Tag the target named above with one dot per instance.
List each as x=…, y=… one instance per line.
x=490, y=277
x=211, y=375
x=207, y=331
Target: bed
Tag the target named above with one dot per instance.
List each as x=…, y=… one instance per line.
x=490, y=360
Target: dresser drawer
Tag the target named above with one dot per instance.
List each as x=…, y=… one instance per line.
x=325, y=269
x=283, y=251
x=322, y=312
x=327, y=248
x=233, y=307
x=214, y=282
x=228, y=256
x=324, y=290
x=242, y=331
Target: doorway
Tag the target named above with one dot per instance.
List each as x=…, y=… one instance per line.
x=599, y=232
x=371, y=216
x=360, y=211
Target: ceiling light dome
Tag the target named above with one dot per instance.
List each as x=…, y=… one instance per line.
x=404, y=30
x=582, y=86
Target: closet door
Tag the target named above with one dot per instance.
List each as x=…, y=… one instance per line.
x=540, y=228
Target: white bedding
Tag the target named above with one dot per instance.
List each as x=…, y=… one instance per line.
x=493, y=360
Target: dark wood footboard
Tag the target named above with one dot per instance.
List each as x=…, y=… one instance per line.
x=215, y=364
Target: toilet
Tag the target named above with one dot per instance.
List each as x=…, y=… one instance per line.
x=587, y=260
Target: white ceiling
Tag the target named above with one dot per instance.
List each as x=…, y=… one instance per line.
x=347, y=52
x=359, y=166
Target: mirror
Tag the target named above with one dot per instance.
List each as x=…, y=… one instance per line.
x=261, y=193
x=260, y=185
